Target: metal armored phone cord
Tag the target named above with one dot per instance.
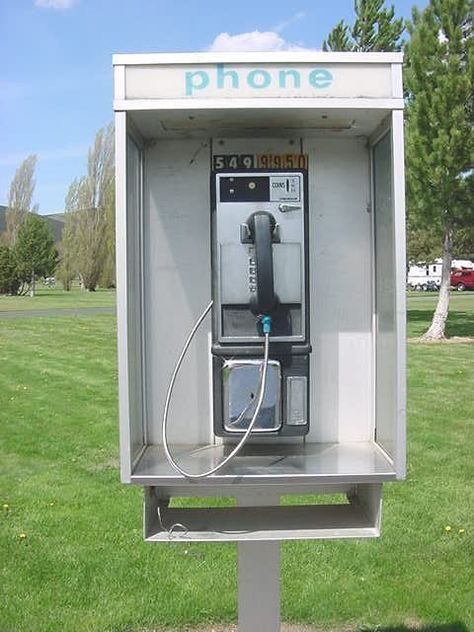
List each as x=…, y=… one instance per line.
x=266, y=320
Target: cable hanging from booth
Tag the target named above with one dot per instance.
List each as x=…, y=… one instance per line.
x=266, y=325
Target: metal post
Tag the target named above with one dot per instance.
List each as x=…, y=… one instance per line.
x=259, y=578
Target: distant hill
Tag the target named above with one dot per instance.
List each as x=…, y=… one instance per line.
x=56, y=223
x=54, y=220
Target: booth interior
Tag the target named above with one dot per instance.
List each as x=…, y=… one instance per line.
x=354, y=442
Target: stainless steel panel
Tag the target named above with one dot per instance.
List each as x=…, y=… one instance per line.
x=177, y=278
x=265, y=524
x=386, y=356
x=288, y=253
x=311, y=464
x=360, y=518
x=232, y=214
x=129, y=160
x=241, y=387
x=259, y=573
x=341, y=365
x=400, y=300
x=285, y=188
x=236, y=271
x=255, y=490
x=287, y=270
x=296, y=398
x=234, y=277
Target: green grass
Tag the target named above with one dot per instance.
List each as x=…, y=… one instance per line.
x=56, y=298
x=420, y=307
x=83, y=565
x=417, y=571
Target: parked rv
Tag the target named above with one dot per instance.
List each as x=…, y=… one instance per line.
x=427, y=277
x=421, y=276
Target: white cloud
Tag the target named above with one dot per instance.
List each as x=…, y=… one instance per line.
x=284, y=24
x=256, y=41
x=55, y=4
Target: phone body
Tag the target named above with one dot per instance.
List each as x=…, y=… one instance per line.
x=259, y=251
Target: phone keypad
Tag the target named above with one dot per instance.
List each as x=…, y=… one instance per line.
x=252, y=269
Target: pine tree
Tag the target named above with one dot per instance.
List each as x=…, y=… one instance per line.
x=9, y=281
x=375, y=29
x=440, y=140
x=339, y=39
x=34, y=251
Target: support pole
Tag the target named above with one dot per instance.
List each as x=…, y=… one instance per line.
x=259, y=578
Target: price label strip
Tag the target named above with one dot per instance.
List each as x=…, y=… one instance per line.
x=223, y=162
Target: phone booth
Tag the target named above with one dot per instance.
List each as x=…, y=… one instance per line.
x=261, y=291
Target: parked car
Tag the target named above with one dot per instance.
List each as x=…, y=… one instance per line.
x=462, y=280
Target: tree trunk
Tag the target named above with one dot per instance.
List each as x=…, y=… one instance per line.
x=32, y=286
x=438, y=324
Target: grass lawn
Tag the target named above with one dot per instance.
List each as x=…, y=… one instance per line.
x=421, y=305
x=54, y=298
x=72, y=555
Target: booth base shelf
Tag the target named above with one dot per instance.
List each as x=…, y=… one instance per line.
x=360, y=517
x=304, y=464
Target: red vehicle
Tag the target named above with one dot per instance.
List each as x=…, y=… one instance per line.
x=462, y=280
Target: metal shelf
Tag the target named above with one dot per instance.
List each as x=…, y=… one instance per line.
x=305, y=464
x=359, y=518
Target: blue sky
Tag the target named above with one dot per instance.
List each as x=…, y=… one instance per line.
x=56, y=70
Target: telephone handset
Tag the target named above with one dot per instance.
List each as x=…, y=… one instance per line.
x=261, y=228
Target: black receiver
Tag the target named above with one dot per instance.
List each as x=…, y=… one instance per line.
x=261, y=225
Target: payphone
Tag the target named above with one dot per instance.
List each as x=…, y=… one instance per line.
x=260, y=280
x=237, y=200
x=260, y=309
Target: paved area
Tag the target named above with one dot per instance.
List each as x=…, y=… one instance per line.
x=60, y=311
x=285, y=627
